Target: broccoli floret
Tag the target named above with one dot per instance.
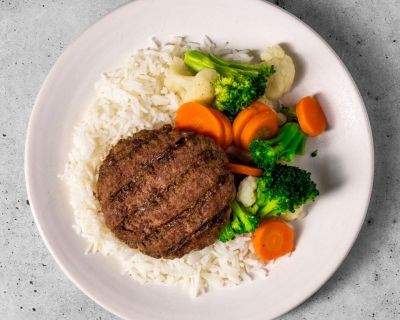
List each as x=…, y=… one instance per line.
x=237, y=86
x=227, y=233
x=241, y=221
x=289, y=142
x=284, y=189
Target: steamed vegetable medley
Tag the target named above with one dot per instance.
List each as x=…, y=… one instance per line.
x=238, y=106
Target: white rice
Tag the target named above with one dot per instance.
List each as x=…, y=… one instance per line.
x=130, y=99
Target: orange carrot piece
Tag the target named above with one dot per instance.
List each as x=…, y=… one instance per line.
x=244, y=116
x=263, y=126
x=245, y=170
x=272, y=239
x=259, y=105
x=240, y=121
x=227, y=127
x=311, y=117
x=194, y=116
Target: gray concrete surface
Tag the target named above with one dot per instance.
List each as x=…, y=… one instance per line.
x=365, y=34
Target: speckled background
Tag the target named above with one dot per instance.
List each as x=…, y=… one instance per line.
x=365, y=34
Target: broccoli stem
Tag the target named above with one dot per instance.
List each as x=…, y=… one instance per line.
x=253, y=209
x=286, y=135
x=226, y=233
x=268, y=208
x=301, y=149
x=242, y=215
x=198, y=61
x=241, y=66
x=291, y=146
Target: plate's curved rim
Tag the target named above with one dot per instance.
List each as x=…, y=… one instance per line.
x=36, y=110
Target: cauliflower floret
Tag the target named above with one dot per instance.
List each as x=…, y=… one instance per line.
x=298, y=214
x=247, y=191
x=281, y=81
x=190, y=87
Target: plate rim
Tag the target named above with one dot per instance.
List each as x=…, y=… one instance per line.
x=36, y=111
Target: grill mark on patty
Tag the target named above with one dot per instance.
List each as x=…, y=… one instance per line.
x=135, y=143
x=144, y=138
x=169, y=206
x=119, y=152
x=126, y=235
x=160, y=138
x=216, y=219
x=201, y=159
x=164, y=194
x=124, y=190
x=126, y=215
x=204, y=238
x=180, y=216
x=155, y=233
x=135, y=181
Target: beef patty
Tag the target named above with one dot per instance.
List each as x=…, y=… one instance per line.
x=166, y=192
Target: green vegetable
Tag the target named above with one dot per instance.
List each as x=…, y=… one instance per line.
x=227, y=233
x=314, y=153
x=237, y=86
x=289, y=142
x=241, y=221
x=284, y=189
x=290, y=114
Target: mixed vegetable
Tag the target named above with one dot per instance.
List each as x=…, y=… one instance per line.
x=237, y=85
x=230, y=102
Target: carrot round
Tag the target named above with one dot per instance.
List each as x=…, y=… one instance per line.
x=311, y=117
x=240, y=121
x=245, y=170
x=263, y=126
x=244, y=116
x=227, y=127
x=273, y=239
x=194, y=116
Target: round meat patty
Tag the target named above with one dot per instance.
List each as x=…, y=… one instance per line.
x=166, y=192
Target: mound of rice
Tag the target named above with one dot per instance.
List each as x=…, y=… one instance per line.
x=130, y=99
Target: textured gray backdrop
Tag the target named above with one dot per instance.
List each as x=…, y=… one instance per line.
x=364, y=33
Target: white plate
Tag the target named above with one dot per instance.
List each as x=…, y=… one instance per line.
x=343, y=168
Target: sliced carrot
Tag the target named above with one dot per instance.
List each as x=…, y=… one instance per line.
x=311, y=117
x=227, y=127
x=263, y=126
x=194, y=116
x=260, y=106
x=273, y=239
x=240, y=121
x=244, y=116
x=245, y=170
